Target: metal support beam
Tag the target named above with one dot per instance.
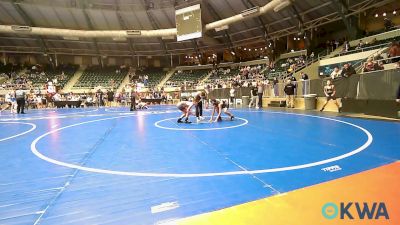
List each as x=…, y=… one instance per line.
x=301, y=23
x=342, y=11
x=30, y=22
x=124, y=26
x=90, y=24
x=154, y=24
x=216, y=16
x=250, y=4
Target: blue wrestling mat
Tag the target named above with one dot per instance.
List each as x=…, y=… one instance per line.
x=113, y=166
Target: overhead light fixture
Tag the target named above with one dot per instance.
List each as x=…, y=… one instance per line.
x=245, y=49
x=298, y=39
x=265, y=47
x=294, y=38
x=384, y=14
x=394, y=12
x=250, y=11
x=225, y=27
x=376, y=15
x=21, y=28
x=233, y=53
x=133, y=32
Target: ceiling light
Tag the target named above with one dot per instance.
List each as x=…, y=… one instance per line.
x=394, y=12
x=245, y=49
x=384, y=14
x=376, y=15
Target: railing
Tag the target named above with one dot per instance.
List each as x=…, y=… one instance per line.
x=362, y=49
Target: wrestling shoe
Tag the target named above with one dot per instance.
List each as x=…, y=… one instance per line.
x=187, y=121
x=179, y=121
x=232, y=117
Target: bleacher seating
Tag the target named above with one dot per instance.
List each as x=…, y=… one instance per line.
x=105, y=77
x=370, y=46
x=155, y=75
x=188, y=75
x=9, y=68
x=50, y=73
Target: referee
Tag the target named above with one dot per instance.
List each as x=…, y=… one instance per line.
x=20, y=96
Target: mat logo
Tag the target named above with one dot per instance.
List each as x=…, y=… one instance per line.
x=331, y=168
x=355, y=210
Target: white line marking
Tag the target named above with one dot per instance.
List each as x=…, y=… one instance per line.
x=164, y=207
x=182, y=175
x=33, y=127
x=157, y=124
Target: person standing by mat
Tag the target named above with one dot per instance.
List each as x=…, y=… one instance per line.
x=185, y=107
x=219, y=107
x=260, y=91
x=330, y=93
x=198, y=102
x=289, y=91
x=133, y=99
x=253, y=94
x=20, y=96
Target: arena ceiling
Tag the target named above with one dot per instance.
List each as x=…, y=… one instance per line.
x=302, y=15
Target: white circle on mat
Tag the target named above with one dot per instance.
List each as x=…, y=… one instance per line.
x=192, y=125
x=33, y=127
x=189, y=175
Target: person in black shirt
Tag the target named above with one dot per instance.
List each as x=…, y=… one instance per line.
x=330, y=93
x=347, y=70
x=398, y=94
x=110, y=97
x=198, y=102
x=133, y=100
x=305, y=81
x=289, y=91
x=275, y=83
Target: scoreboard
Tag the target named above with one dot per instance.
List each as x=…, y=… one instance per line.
x=188, y=23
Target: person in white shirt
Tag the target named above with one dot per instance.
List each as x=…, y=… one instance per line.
x=232, y=96
x=335, y=73
x=57, y=97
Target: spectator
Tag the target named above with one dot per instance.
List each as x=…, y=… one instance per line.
x=289, y=91
x=232, y=96
x=347, y=70
x=394, y=51
x=388, y=24
x=360, y=45
x=335, y=73
x=346, y=46
x=398, y=94
x=253, y=94
x=369, y=66
x=260, y=90
x=275, y=84
x=305, y=82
